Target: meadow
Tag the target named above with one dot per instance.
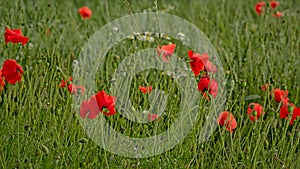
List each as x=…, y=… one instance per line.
x=40, y=128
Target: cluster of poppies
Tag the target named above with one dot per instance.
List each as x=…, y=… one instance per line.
x=10, y=72
x=287, y=110
x=201, y=66
x=260, y=8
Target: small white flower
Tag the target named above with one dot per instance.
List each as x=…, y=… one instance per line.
x=181, y=35
x=115, y=29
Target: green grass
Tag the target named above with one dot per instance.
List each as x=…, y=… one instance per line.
x=39, y=127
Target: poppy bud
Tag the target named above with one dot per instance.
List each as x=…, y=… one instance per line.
x=83, y=140
x=27, y=127
x=244, y=83
x=296, y=121
x=254, y=113
x=290, y=109
x=116, y=57
x=277, y=115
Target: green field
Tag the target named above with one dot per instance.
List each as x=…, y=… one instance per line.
x=40, y=128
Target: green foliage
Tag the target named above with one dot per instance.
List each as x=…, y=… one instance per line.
x=40, y=129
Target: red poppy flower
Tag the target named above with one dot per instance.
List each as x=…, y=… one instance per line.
x=296, y=114
x=285, y=110
x=197, y=61
x=2, y=82
x=283, y=113
x=285, y=101
x=152, y=117
x=280, y=95
x=73, y=89
x=85, y=12
x=274, y=4
x=277, y=14
x=14, y=36
x=264, y=87
x=64, y=83
x=106, y=102
x=208, y=84
x=165, y=50
x=259, y=7
x=11, y=71
x=254, y=111
x=146, y=89
x=226, y=119
x=210, y=67
x=89, y=108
